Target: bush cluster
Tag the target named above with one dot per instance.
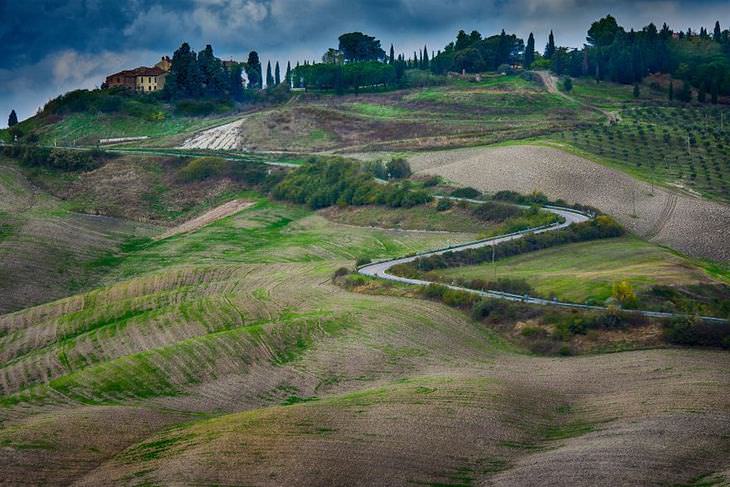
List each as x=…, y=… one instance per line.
x=467, y=192
x=112, y=100
x=322, y=183
x=693, y=331
x=59, y=159
x=495, y=212
x=202, y=168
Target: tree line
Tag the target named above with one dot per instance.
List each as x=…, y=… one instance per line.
x=699, y=60
x=203, y=75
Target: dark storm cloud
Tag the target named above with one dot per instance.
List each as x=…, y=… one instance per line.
x=54, y=45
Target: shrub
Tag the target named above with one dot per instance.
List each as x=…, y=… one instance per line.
x=362, y=261
x=376, y=168
x=443, y=205
x=458, y=299
x=568, y=84
x=398, y=168
x=694, y=331
x=495, y=212
x=467, y=192
x=432, y=181
x=624, y=293
x=434, y=291
x=342, y=271
x=488, y=307
x=202, y=168
x=534, y=198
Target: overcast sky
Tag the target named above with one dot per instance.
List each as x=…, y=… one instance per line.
x=52, y=46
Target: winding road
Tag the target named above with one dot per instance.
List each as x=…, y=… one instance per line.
x=380, y=269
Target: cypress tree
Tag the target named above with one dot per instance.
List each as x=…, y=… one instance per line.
x=717, y=35
x=391, y=58
x=550, y=48
x=529, y=51
x=12, y=119
x=277, y=74
x=235, y=82
x=425, y=63
x=269, y=77
x=671, y=91
x=339, y=81
x=253, y=70
x=686, y=94
x=288, y=72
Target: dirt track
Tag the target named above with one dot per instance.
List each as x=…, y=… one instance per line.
x=694, y=226
x=222, y=211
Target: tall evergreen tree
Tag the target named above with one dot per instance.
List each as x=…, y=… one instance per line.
x=253, y=70
x=235, y=81
x=686, y=94
x=391, y=58
x=529, y=51
x=717, y=35
x=425, y=63
x=671, y=91
x=12, y=119
x=550, y=47
x=213, y=79
x=288, y=73
x=277, y=74
x=702, y=94
x=184, y=78
x=269, y=77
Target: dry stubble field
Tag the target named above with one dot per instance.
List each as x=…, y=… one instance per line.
x=691, y=225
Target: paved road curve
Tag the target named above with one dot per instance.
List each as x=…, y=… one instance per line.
x=380, y=269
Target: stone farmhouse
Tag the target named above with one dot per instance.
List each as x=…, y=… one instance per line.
x=142, y=79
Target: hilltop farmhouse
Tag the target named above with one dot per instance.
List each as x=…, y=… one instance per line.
x=142, y=79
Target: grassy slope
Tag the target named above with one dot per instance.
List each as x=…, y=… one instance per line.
x=45, y=249
x=209, y=333
x=588, y=270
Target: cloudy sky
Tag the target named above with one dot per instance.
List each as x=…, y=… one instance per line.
x=52, y=46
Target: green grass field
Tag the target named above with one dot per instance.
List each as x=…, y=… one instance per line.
x=587, y=270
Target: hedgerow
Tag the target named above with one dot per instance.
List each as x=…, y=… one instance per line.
x=64, y=160
x=598, y=228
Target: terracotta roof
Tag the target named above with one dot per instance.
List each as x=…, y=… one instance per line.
x=141, y=71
